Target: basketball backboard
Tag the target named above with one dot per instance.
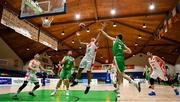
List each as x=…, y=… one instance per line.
x=39, y=8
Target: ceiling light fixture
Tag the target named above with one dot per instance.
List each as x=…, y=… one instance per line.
x=88, y=30
x=77, y=16
x=136, y=44
x=73, y=42
x=106, y=61
x=139, y=37
x=62, y=33
x=77, y=33
x=46, y=20
x=144, y=26
x=152, y=6
x=113, y=11
x=114, y=25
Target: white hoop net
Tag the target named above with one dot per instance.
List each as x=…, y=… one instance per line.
x=46, y=21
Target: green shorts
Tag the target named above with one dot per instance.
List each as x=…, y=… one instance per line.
x=65, y=74
x=119, y=62
x=147, y=77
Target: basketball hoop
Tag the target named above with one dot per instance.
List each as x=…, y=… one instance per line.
x=46, y=21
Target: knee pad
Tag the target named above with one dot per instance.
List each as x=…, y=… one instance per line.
x=25, y=82
x=24, y=85
x=37, y=84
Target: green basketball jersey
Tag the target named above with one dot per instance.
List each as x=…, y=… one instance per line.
x=118, y=47
x=69, y=63
x=146, y=71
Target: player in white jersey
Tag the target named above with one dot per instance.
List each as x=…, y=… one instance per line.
x=87, y=61
x=33, y=67
x=172, y=78
x=113, y=76
x=158, y=70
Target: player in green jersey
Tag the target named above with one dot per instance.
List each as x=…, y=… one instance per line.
x=146, y=72
x=118, y=50
x=172, y=78
x=68, y=64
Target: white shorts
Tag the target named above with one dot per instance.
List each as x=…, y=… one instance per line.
x=31, y=78
x=157, y=72
x=86, y=63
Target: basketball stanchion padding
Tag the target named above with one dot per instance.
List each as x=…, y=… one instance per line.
x=108, y=77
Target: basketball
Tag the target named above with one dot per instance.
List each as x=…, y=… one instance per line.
x=82, y=25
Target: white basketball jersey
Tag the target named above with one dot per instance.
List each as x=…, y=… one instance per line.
x=35, y=64
x=153, y=62
x=91, y=49
x=158, y=69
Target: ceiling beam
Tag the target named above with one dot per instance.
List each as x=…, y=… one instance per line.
x=171, y=40
x=1, y=9
x=95, y=10
x=108, y=18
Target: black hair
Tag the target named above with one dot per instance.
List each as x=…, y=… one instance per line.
x=120, y=36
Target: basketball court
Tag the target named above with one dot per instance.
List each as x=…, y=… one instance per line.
x=89, y=50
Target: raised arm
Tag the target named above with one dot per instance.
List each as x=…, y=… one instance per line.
x=127, y=49
x=62, y=61
x=97, y=37
x=107, y=36
x=82, y=43
x=59, y=68
x=144, y=71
